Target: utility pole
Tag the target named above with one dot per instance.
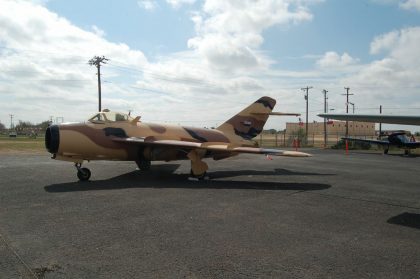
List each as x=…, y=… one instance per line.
x=380, y=124
x=11, y=121
x=347, y=108
x=352, y=106
x=306, y=98
x=96, y=61
x=325, y=120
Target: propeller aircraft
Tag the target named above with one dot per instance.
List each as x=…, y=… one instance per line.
x=398, y=139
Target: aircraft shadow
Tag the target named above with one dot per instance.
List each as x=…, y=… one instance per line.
x=406, y=219
x=162, y=176
x=389, y=154
x=223, y=174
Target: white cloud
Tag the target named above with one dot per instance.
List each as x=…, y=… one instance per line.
x=400, y=65
x=98, y=31
x=44, y=67
x=39, y=2
x=332, y=60
x=391, y=81
x=385, y=2
x=178, y=3
x=148, y=5
x=404, y=4
x=44, y=63
x=229, y=33
x=384, y=42
x=410, y=4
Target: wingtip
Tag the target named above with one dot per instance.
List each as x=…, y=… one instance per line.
x=296, y=154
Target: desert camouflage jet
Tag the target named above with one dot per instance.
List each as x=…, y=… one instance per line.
x=116, y=136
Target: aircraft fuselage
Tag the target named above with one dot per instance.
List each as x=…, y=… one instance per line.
x=90, y=141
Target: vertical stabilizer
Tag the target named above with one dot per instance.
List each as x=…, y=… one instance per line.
x=249, y=122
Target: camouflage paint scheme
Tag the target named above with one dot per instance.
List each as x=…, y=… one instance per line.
x=129, y=139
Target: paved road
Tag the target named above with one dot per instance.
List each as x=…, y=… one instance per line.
x=331, y=215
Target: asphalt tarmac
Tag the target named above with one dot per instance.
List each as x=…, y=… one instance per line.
x=328, y=216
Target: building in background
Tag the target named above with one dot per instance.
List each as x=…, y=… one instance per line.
x=336, y=128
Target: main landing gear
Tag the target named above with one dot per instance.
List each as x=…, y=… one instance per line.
x=143, y=165
x=82, y=173
x=198, y=167
x=200, y=176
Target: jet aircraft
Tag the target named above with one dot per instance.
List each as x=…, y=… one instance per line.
x=399, y=140
x=117, y=136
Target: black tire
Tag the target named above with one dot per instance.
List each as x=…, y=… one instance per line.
x=83, y=174
x=199, y=177
x=386, y=151
x=144, y=165
x=407, y=152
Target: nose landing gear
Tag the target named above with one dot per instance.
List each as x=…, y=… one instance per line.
x=82, y=173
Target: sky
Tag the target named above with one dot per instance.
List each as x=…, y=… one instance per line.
x=197, y=63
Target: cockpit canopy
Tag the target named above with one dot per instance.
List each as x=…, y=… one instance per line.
x=110, y=116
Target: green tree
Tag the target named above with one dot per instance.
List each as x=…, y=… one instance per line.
x=43, y=125
x=23, y=124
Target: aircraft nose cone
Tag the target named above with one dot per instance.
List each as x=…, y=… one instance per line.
x=52, y=139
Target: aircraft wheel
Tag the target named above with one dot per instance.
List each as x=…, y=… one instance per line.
x=198, y=176
x=83, y=174
x=144, y=165
x=386, y=151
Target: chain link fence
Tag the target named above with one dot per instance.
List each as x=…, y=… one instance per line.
x=282, y=139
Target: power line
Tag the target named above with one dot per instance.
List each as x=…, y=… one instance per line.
x=27, y=79
x=190, y=81
x=45, y=52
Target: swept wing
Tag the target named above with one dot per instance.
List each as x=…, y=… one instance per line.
x=383, y=118
x=212, y=146
x=378, y=142
x=383, y=142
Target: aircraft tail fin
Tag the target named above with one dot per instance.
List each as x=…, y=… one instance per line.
x=250, y=122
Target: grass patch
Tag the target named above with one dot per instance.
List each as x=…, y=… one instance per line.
x=22, y=144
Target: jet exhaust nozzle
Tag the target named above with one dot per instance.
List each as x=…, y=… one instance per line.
x=52, y=139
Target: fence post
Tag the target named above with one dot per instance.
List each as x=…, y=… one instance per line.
x=276, y=140
x=284, y=139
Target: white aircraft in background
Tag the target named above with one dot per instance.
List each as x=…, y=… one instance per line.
x=377, y=118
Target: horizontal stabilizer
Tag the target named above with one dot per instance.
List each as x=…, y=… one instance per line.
x=277, y=113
